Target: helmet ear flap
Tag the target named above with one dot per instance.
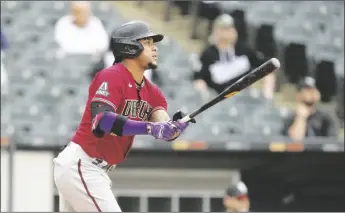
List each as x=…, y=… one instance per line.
x=133, y=50
x=127, y=48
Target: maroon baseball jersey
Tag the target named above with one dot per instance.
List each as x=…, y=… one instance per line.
x=116, y=87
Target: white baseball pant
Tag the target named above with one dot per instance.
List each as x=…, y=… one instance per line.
x=82, y=185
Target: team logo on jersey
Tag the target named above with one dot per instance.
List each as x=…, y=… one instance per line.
x=135, y=109
x=103, y=89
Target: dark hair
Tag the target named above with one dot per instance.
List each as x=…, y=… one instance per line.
x=118, y=59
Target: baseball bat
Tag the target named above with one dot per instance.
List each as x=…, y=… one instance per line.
x=258, y=73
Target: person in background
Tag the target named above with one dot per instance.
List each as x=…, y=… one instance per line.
x=81, y=32
x=226, y=59
x=4, y=43
x=4, y=77
x=308, y=120
x=236, y=198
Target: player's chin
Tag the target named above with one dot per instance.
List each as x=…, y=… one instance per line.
x=153, y=64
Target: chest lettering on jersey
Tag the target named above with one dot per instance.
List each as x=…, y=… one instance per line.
x=134, y=109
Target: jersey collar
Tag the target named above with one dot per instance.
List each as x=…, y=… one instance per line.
x=123, y=69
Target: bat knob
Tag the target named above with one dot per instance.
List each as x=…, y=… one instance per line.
x=275, y=63
x=186, y=118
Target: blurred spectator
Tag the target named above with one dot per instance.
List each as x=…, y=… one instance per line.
x=226, y=59
x=108, y=60
x=236, y=198
x=81, y=32
x=308, y=120
x=4, y=43
x=4, y=77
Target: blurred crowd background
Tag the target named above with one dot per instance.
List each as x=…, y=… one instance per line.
x=51, y=50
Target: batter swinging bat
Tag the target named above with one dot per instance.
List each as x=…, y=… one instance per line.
x=258, y=73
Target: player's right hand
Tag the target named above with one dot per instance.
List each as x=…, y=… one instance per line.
x=162, y=130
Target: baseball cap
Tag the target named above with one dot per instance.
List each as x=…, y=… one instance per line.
x=307, y=82
x=224, y=20
x=238, y=189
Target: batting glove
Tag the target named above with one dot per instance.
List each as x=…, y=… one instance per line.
x=162, y=130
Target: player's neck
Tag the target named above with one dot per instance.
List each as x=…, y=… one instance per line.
x=136, y=71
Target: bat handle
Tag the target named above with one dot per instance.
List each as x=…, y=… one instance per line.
x=186, y=119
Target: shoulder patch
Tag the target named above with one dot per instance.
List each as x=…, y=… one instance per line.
x=103, y=89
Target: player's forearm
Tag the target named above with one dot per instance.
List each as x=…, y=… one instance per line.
x=298, y=128
x=112, y=123
x=159, y=116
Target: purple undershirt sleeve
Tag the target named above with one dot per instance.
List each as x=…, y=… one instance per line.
x=130, y=127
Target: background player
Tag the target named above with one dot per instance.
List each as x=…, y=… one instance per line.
x=236, y=198
x=122, y=103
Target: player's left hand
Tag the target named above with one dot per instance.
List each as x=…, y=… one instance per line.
x=180, y=126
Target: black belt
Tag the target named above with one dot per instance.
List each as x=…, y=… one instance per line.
x=107, y=167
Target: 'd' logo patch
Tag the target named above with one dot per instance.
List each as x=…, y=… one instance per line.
x=231, y=94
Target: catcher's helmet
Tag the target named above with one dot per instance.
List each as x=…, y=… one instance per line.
x=125, y=39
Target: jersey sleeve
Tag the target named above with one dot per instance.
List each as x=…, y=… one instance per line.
x=159, y=101
x=106, y=88
x=329, y=127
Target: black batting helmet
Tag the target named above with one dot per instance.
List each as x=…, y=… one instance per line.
x=238, y=189
x=125, y=39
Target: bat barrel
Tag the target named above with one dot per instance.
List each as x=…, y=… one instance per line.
x=258, y=73
x=253, y=76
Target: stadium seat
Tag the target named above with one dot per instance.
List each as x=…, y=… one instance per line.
x=234, y=5
x=331, y=43
x=322, y=63
x=339, y=65
x=270, y=120
x=318, y=11
x=169, y=53
x=291, y=37
x=261, y=21
x=269, y=12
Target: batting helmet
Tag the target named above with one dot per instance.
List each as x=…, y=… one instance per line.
x=237, y=189
x=125, y=39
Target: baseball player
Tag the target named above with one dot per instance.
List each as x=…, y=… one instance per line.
x=122, y=103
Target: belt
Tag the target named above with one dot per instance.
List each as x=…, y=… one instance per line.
x=103, y=165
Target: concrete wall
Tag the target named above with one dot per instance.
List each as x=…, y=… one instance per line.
x=32, y=181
